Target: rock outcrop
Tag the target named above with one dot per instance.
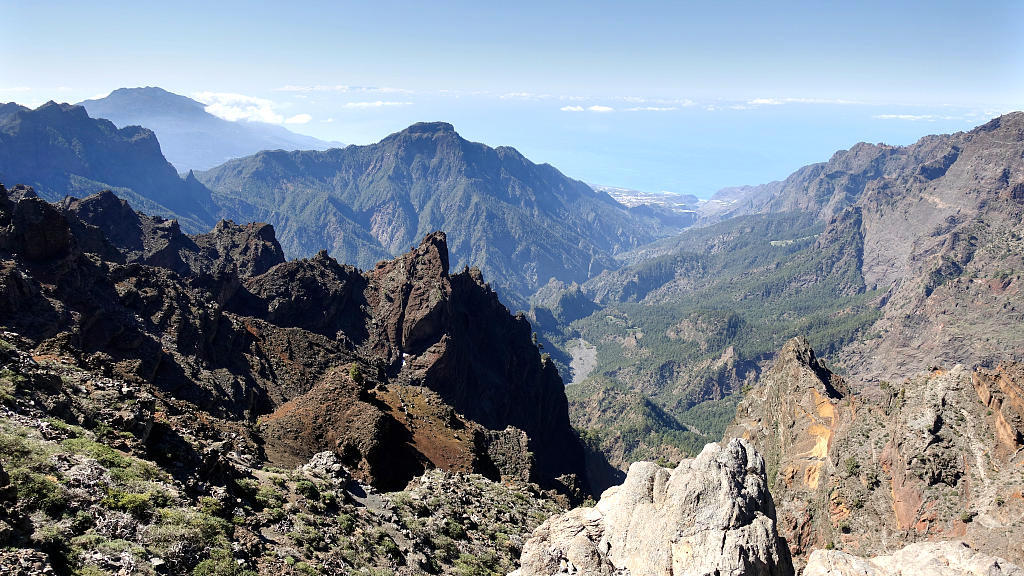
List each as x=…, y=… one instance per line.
x=927, y=459
x=791, y=417
x=710, y=515
x=925, y=559
x=1002, y=392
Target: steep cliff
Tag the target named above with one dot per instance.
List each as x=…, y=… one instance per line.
x=928, y=459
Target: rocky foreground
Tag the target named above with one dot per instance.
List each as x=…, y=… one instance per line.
x=710, y=515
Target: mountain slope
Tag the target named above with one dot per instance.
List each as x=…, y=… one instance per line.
x=192, y=138
x=520, y=222
x=889, y=259
x=221, y=323
x=59, y=150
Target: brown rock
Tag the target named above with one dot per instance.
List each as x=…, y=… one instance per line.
x=1002, y=391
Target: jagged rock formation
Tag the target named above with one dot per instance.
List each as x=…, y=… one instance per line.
x=791, y=416
x=925, y=559
x=917, y=461
x=710, y=515
x=397, y=370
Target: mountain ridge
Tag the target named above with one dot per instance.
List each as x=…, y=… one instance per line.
x=521, y=223
x=60, y=151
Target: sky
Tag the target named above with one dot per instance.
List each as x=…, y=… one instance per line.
x=657, y=96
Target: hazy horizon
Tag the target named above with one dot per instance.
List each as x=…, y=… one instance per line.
x=650, y=96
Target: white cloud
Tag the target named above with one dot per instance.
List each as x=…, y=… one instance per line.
x=524, y=96
x=765, y=102
x=16, y=89
x=343, y=88
x=376, y=104
x=315, y=88
x=571, y=108
x=780, y=101
x=916, y=117
x=599, y=108
x=652, y=109
x=234, y=107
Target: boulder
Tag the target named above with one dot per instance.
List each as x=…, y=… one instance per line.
x=710, y=515
x=921, y=559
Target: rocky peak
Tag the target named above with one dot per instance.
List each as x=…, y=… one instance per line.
x=112, y=215
x=37, y=230
x=792, y=417
x=316, y=294
x=409, y=295
x=805, y=370
x=710, y=515
x=250, y=249
x=431, y=128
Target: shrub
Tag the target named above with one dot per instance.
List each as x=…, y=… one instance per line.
x=220, y=563
x=139, y=505
x=355, y=373
x=453, y=530
x=851, y=466
x=37, y=491
x=307, y=489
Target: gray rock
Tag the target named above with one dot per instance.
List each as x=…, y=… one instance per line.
x=710, y=515
x=921, y=559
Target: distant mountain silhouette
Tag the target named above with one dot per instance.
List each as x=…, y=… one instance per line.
x=59, y=150
x=191, y=137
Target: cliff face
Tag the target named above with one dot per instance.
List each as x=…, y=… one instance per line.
x=792, y=417
x=931, y=458
x=451, y=334
x=940, y=234
x=396, y=370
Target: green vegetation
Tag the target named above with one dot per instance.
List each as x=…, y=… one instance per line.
x=220, y=563
x=686, y=330
x=851, y=466
x=355, y=373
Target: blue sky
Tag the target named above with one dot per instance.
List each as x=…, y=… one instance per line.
x=685, y=97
